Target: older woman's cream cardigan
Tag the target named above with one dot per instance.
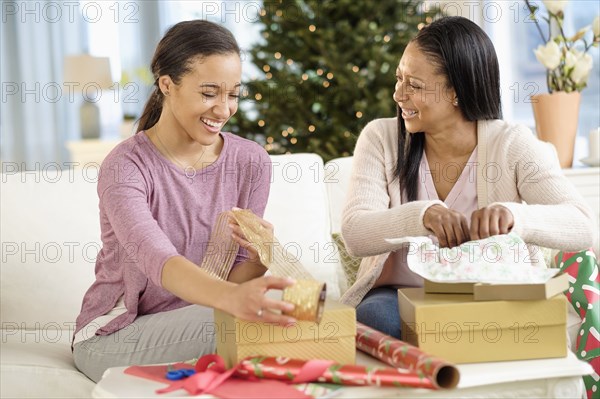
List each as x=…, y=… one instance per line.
x=512, y=167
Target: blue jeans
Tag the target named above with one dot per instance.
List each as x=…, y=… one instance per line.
x=164, y=337
x=379, y=310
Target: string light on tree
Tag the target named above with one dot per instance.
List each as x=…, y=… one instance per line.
x=319, y=72
x=329, y=76
x=277, y=55
x=311, y=128
x=355, y=69
x=261, y=123
x=293, y=140
x=312, y=28
x=266, y=68
x=325, y=84
x=258, y=96
x=359, y=114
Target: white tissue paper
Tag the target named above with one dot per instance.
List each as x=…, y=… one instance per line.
x=501, y=259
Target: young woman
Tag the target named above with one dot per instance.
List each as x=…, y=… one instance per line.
x=447, y=166
x=160, y=194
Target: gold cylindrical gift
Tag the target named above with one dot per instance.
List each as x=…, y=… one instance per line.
x=308, y=297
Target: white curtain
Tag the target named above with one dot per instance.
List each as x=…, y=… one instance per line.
x=138, y=42
x=35, y=113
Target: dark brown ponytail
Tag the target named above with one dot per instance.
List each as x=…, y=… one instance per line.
x=152, y=110
x=177, y=50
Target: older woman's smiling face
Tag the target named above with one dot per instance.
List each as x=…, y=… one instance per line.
x=423, y=94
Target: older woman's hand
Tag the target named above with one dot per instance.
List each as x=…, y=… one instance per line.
x=450, y=227
x=491, y=221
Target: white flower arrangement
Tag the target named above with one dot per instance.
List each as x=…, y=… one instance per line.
x=566, y=59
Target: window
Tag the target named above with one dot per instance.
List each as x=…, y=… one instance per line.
x=122, y=36
x=103, y=41
x=514, y=37
x=237, y=16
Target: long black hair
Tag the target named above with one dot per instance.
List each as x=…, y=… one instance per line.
x=462, y=52
x=177, y=50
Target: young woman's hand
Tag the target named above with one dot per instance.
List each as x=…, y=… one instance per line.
x=248, y=301
x=450, y=227
x=238, y=236
x=491, y=221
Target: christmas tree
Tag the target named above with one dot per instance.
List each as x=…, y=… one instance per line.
x=329, y=68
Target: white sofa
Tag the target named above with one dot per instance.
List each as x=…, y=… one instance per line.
x=50, y=238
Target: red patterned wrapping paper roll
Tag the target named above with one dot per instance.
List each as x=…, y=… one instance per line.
x=286, y=369
x=399, y=354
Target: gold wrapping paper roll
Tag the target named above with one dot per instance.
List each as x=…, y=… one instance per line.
x=272, y=254
x=308, y=297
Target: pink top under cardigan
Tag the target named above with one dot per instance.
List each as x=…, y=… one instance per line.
x=461, y=198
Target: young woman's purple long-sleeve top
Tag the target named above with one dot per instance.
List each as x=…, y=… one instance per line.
x=151, y=210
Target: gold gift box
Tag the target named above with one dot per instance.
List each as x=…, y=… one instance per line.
x=431, y=287
x=460, y=330
x=506, y=292
x=332, y=339
x=520, y=292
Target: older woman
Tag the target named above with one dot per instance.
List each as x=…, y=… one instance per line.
x=449, y=167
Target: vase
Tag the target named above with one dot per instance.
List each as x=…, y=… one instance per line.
x=556, y=116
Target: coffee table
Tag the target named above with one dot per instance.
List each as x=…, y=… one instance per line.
x=543, y=378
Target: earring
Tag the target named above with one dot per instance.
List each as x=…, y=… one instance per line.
x=455, y=102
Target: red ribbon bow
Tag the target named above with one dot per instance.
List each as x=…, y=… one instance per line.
x=212, y=377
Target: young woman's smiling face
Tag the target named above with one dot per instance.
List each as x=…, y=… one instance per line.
x=423, y=94
x=205, y=98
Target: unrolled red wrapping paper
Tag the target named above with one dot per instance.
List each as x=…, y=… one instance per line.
x=269, y=371
x=399, y=354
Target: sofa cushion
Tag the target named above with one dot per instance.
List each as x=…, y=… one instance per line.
x=350, y=264
x=50, y=239
x=39, y=364
x=298, y=210
x=337, y=180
